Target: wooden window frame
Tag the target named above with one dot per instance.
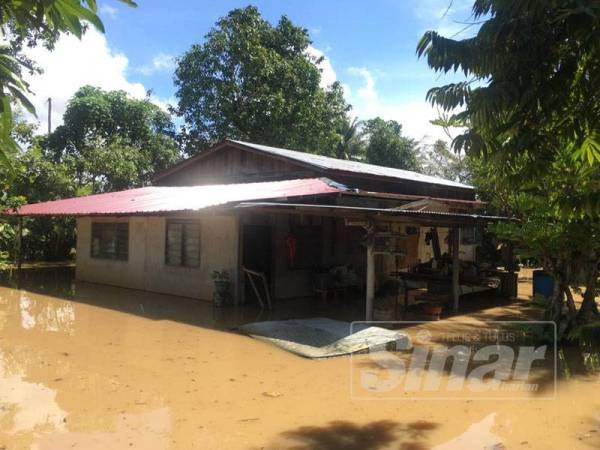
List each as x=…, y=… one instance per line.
x=120, y=254
x=182, y=254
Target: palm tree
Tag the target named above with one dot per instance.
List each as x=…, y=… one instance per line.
x=351, y=145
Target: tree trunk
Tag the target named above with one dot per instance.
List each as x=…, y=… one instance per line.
x=572, y=309
x=589, y=309
x=558, y=298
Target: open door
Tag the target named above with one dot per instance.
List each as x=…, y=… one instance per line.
x=256, y=256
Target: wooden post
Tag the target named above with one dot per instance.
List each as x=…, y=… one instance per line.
x=20, y=243
x=370, y=280
x=435, y=244
x=455, y=266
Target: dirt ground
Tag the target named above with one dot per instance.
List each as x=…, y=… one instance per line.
x=94, y=367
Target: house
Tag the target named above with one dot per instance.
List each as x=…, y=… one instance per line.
x=243, y=207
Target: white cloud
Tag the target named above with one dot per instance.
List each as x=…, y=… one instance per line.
x=163, y=104
x=368, y=103
x=162, y=62
x=447, y=17
x=328, y=75
x=414, y=116
x=72, y=64
x=109, y=11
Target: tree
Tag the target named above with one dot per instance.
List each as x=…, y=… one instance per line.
x=112, y=141
x=440, y=161
x=27, y=22
x=386, y=146
x=567, y=245
x=532, y=82
x=35, y=178
x=531, y=107
x=351, y=145
x=254, y=81
x=38, y=178
x=108, y=141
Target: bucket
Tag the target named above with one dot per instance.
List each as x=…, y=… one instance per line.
x=543, y=283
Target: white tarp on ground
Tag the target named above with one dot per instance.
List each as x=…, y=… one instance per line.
x=324, y=338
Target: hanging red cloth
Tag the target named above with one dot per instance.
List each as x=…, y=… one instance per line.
x=291, y=243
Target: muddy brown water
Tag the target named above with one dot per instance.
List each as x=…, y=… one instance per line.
x=96, y=367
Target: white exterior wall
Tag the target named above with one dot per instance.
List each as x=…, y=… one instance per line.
x=145, y=268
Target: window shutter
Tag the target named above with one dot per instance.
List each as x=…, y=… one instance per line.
x=174, y=244
x=110, y=240
x=191, y=245
x=182, y=247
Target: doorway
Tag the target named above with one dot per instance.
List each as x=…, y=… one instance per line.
x=256, y=256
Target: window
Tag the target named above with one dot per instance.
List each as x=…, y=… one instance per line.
x=110, y=240
x=182, y=247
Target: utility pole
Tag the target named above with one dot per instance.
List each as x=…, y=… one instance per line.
x=49, y=115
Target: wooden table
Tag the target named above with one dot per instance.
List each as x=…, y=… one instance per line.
x=406, y=276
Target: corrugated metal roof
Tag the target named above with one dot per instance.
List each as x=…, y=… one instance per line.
x=409, y=197
x=162, y=199
x=327, y=163
x=440, y=216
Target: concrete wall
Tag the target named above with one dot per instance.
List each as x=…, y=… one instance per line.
x=146, y=269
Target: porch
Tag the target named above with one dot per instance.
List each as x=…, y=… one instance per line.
x=335, y=256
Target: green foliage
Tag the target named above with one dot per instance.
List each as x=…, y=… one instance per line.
x=386, y=146
x=531, y=107
x=32, y=21
x=111, y=141
x=566, y=241
x=351, y=145
x=220, y=275
x=253, y=81
x=532, y=88
x=108, y=141
x=588, y=333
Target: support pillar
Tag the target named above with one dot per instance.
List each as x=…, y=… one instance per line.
x=370, y=280
x=455, y=267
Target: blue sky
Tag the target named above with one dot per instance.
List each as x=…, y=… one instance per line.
x=369, y=47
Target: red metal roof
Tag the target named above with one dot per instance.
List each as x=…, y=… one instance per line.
x=159, y=199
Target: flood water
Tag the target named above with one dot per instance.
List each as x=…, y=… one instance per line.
x=95, y=367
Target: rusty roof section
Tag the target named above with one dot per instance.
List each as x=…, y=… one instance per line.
x=167, y=199
x=323, y=163
x=410, y=197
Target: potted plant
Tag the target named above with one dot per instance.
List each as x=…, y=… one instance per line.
x=222, y=292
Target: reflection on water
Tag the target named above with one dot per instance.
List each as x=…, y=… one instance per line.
x=24, y=405
x=50, y=317
x=148, y=430
x=97, y=367
x=480, y=432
